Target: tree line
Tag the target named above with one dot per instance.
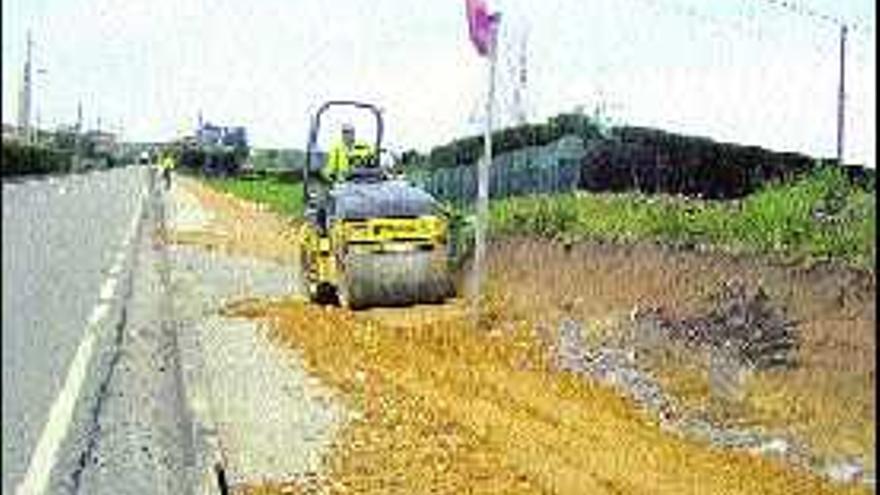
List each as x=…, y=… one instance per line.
x=62, y=151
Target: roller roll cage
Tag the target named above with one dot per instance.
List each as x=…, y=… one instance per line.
x=315, y=127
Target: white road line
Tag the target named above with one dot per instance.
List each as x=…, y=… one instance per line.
x=36, y=479
x=98, y=314
x=109, y=288
x=132, y=231
x=116, y=269
x=129, y=239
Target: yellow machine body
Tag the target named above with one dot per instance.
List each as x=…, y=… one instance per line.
x=370, y=238
x=325, y=258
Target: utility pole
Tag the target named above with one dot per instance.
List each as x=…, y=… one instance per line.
x=24, y=104
x=841, y=95
x=79, y=116
x=483, y=183
x=519, y=101
x=77, y=134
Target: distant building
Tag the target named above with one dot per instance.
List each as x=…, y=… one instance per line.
x=102, y=137
x=230, y=141
x=210, y=134
x=234, y=136
x=67, y=128
x=105, y=142
x=10, y=132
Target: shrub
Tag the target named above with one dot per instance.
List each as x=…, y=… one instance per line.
x=22, y=159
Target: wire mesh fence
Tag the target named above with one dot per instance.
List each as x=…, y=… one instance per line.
x=553, y=168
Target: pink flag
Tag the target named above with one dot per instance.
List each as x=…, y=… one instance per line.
x=482, y=26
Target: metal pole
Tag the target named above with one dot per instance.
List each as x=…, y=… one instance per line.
x=841, y=95
x=76, y=139
x=24, y=115
x=483, y=188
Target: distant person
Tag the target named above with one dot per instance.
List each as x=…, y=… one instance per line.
x=345, y=155
x=166, y=165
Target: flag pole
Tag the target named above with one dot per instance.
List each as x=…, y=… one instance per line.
x=483, y=185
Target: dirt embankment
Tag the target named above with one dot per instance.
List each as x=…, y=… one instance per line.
x=448, y=408
x=240, y=227
x=826, y=400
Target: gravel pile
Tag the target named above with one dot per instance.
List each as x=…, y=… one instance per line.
x=742, y=320
x=609, y=365
x=619, y=367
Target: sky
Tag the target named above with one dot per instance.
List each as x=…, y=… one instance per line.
x=746, y=71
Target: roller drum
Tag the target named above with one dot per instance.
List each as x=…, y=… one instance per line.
x=389, y=279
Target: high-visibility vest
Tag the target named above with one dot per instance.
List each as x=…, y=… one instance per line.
x=341, y=160
x=167, y=163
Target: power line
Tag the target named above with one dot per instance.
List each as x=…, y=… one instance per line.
x=843, y=27
x=695, y=13
x=805, y=11
x=721, y=27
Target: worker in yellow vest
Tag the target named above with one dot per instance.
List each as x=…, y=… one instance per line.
x=345, y=155
x=166, y=165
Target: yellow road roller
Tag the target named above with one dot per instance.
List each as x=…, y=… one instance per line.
x=370, y=239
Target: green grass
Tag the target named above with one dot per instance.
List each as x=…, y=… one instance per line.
x=281, y=197
x=780, y=219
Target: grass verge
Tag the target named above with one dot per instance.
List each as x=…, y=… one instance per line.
x=280, y=196
x=821, y=216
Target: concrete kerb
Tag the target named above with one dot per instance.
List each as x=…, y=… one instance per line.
x=272, y=432
x=185, y=213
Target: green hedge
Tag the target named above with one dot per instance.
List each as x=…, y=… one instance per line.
x=654, y=161
x=280, y=196
x=21, y=159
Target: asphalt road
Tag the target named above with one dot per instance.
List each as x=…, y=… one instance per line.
x=119, y=376
x=61, y=236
